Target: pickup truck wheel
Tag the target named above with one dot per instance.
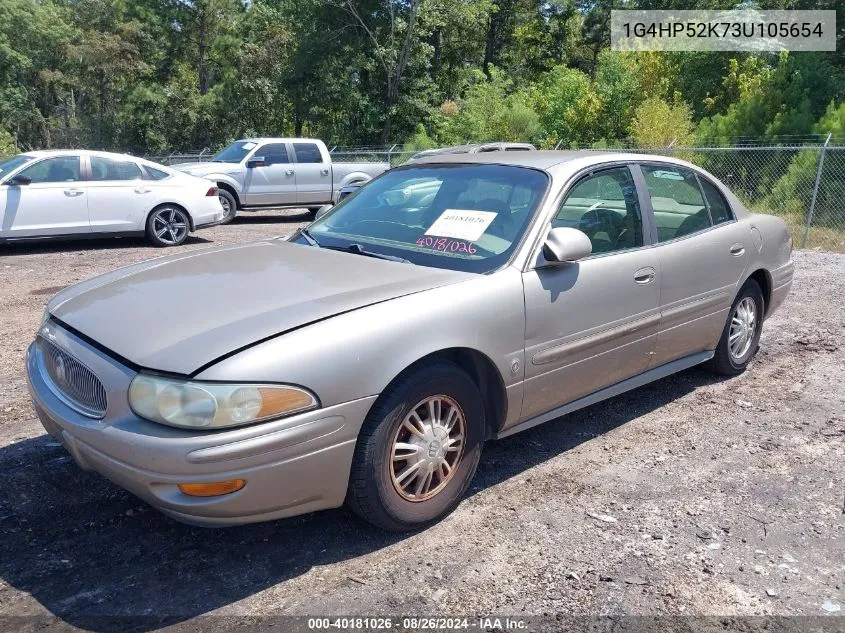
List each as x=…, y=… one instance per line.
x=418, y=449
x=229, y=204
x=312, y=212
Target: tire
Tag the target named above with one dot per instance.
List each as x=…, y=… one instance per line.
x=230, y=205
x=168, y=225
x=312, y=212
x=731, y=360
x=375, y=491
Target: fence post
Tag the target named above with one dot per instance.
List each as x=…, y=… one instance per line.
x=812, y=208
x=558, y=144
x=390, y=154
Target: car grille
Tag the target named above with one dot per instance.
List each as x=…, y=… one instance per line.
x=73, y=382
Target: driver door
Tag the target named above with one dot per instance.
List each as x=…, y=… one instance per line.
x=274, y=182
x=592, y=323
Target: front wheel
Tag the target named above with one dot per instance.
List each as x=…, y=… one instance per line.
x=741, y=336
x=168, y=225
x=418, y=449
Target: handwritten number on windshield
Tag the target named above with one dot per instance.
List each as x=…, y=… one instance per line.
x=447, y=245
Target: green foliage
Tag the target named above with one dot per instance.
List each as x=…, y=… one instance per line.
x=657, y=123
x=162, y=75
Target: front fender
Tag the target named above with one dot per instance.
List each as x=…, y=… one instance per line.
x=225, y=178
x=357, y=354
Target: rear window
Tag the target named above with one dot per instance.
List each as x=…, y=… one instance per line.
x=307, y=153
x=109, y=169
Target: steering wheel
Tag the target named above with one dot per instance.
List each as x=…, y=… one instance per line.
x=598, y=219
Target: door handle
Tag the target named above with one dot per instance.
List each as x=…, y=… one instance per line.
x=324, y=172
x=737, y=249
x=72, y=193
x=288, y=172
x=644, y=275
x=141, y=190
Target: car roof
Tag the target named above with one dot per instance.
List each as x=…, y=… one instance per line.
x=545, y=159
x=277, y=139
x=43, y=153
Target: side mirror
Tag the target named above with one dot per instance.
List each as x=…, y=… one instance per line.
x=323, y=211
x=20, y=181
x=564, y=244
x=256, y=161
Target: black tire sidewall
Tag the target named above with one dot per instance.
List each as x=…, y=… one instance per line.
x=442, y=378
x=233, y=205
x=750, y=289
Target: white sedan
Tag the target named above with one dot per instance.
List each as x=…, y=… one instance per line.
x=79, y=193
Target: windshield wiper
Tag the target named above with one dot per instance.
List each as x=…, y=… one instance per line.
x=309, y=238
x=357, y=249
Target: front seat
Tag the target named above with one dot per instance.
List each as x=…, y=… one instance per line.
x=60, y=173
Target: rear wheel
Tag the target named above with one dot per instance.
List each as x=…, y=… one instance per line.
x=168, y=225
x=741, y=336
x=229, y=204
x=418, y=449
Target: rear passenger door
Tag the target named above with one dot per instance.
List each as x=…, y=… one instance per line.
x=118, y=197
x=702, y=254
x=313, y=174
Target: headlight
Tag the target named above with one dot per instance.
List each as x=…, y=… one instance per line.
x=210, y=405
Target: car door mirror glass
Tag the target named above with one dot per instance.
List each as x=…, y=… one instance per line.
x=256, y=161
x=565, y=244
x=20, y=181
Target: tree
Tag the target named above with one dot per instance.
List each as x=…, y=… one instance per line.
x=657, y=123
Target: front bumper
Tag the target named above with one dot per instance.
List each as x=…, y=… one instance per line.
x=292, y=466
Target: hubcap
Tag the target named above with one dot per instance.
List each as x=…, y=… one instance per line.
x=743, y=325
x=224, y=202
x=427, y=448
x=170, y=225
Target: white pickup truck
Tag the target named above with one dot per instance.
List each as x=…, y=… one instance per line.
x=255, y=173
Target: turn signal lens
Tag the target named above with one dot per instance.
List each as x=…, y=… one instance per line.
x=209, y=405
x=213, y=489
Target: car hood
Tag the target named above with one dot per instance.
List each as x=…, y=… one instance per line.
x=203, y=169
x=180, y=313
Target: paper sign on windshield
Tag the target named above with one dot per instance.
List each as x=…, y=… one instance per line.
x=249, y=146
x=462, y=224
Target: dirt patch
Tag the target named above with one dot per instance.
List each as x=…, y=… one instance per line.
x=693, y=495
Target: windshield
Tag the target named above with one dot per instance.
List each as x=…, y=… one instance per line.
x=235, y=153
x=460, y=217
x=10, y=164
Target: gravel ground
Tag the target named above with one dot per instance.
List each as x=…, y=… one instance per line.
x=694, y=495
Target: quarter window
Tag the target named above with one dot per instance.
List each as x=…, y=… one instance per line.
x=57, y=169
x=155, y=174
x=679, y=208
x=307, y=153
x=273, y=154
x=605, y=207
x=720, y=212
x=109, y=169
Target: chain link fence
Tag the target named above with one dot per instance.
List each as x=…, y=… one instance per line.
x=801, y=180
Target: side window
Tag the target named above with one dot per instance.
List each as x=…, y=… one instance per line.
x=151, y=173
x=307, y=153
x=679, y=208
x=109, y=169
x=58, y=169
x=720, y=211
x=605, y=207
x=273, y=153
